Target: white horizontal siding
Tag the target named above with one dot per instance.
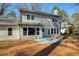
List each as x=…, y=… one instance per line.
x=46, y=20
x=4, y=32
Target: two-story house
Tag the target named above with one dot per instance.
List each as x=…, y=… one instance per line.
x=29, y=24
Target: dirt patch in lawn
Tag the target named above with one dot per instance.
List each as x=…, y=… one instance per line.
x=66, y=48
x=22, y=48
x=4, y=44
x=7, y=44
x=69, y=47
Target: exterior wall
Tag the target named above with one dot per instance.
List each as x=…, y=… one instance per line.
x=30, y=36
x=46, y=20
x=42, y=18
x=45, y=33
x=4, y=33
x=17, y=31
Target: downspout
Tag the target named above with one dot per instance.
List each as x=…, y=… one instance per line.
x=60, y=24
x=2, y=8
x=20, y=26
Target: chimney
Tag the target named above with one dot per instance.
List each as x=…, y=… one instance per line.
x=55, y=12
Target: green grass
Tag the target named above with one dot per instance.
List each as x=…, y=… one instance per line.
x=4, y=44
x=75, y=36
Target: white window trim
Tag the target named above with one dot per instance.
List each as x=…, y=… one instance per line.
x=54, y=30
x=28, y=31
x=51, y=31
x=7, y=31
x=27, y=14
x=57, y=31
x=30, y=16
x=23, y=31
x=55, y=19
x=52, y=19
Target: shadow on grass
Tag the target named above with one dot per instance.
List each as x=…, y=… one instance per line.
x=50, y=48
x=4, y=47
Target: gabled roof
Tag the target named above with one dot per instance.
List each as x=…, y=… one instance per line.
x=39, y=12
x=9, y=20
x=16, y=21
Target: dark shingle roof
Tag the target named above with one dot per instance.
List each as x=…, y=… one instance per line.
x=39, y=12
x=16, y=21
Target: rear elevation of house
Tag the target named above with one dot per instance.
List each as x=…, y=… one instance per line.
x=29, y=25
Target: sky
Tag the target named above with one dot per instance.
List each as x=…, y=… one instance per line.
x=47, y=7
x=68, y=7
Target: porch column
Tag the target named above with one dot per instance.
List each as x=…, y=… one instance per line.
x=53, y=31
x=27, y=31
x=35, y=31
x=40, y=31
x=50, y=31
x=56, y=30
x=59, y=31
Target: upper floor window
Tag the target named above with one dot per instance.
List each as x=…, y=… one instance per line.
x=54, y=19
x=30, y=17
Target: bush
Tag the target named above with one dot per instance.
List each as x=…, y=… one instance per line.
x=70, y=29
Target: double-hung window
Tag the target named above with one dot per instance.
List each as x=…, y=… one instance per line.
x=9, y=31
x=52, y=19
x=54, y=30
x=37, y=31
x=30, y=17
x=57, y=30
x=55, y=19
x=24, y=31
x=51, y=30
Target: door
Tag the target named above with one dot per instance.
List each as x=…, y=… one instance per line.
x=43, y=30
x=48, y=32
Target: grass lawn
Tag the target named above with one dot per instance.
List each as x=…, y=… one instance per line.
x=75, y=37
x=69, y=47
x=4, y=44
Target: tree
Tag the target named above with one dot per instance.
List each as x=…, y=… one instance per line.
x=23, y=6
x=63, y=13
x=75, y=16
x=76, y=7
x=36, y=6
x=10, y=14
x=9, y=8
x=55, y=9
x=2, y=8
